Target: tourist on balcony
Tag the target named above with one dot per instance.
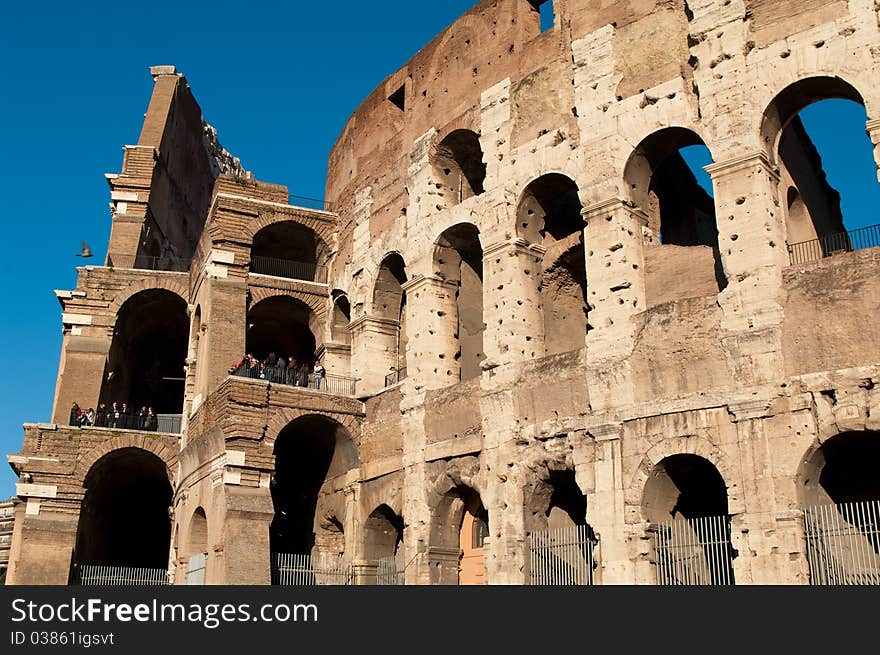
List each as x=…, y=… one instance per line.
x=290, y=373
x=88, y=418
x=114, y=415
x=74, y=414
x=125, y=420
x=253, y=365
x=303, y=375
x=101, y=416
x=269, y=366
x=151, y=421
x=280, y=371
x=319, y=374
x=141, y=418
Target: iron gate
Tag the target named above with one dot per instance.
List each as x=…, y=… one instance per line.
x=119, y=576
x=298, y=570
x=694, y=551
x=562, y=557
x=843, y=543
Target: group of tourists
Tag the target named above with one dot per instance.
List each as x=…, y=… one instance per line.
x=278, y=369
x=119, y=415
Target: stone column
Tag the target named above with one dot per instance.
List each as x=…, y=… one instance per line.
x=432, y=332
x=246, y=557
x=752, y=240
x=512, y=302
x=374, y=340
x=613, y=241
x=42, y=546
x=601, y=477
x=336, y=358
x=80, y=373
x=873, y=129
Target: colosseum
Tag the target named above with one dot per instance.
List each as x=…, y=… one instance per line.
x=517, y=343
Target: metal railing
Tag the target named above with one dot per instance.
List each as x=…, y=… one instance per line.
x=395, y=376
x=333, y=384
x=388, y=573
x=309, y=203
x=833, y=244
x=288, y=269
x=119, y=576
x=146, y=263
x=843, y=543
x=562, y=557
x=168, y=423
x=694, y=552
x=297, y=570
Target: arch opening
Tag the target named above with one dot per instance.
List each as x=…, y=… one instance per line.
x=310, y=452
x=461, y=523
x=458, y=258
x=339, y=330
x=389, y=303
x=280, y=335
x=383, y=534
x=685, y=500
x=814, y=131
x=549, y=213
x=663, y=180
x=844, y=470
x=459, y=170
x=291, y=250
x=146, y=365
x=124, y=520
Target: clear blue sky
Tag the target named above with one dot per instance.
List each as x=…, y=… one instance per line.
x=278, y=82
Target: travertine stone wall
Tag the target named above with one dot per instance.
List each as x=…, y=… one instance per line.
x=726, y=352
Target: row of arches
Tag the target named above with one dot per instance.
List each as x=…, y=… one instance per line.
x=125, y=518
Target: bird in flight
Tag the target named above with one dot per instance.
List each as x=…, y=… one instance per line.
x=86, y=251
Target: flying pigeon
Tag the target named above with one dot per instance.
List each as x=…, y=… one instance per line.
x=86, y=251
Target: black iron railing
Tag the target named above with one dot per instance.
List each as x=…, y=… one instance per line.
x=833, y=244
x=395, y=376
x=146, y=263
x=289, y=269
x=333, y=384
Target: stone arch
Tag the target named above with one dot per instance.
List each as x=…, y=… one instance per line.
x=197, y=533
x=180, y=287
x=322, y=227
x=283, y=416
x=798, y=94
x=693, y=445
x=317, y=304
x=840, y=469
x=165, y=448
x=459, y=167
x=383, y=533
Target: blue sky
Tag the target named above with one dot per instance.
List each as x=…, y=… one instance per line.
x=278, y=82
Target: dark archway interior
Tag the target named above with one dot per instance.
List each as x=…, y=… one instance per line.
x=564, y=301
x=459, y=258
x=289, y=241
x=389, y=302
x=339, y=332
x=308, y=452
x=458, y=163
x=567, y=496
x=550, y=207
x=280, y=325
x=383, y=533
x=124, y=519
x=148, y=353
x=449, y=514
x=662, y=184
x=684, y=486
x=850, y=471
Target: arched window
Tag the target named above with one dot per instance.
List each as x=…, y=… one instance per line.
x=814, y=131
x=289, y=249
x=664, y=178
x=389, y=303
x=458, y=258
x=549, y=214
x=124, y=517
x=145, y=365
x=459, y=169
